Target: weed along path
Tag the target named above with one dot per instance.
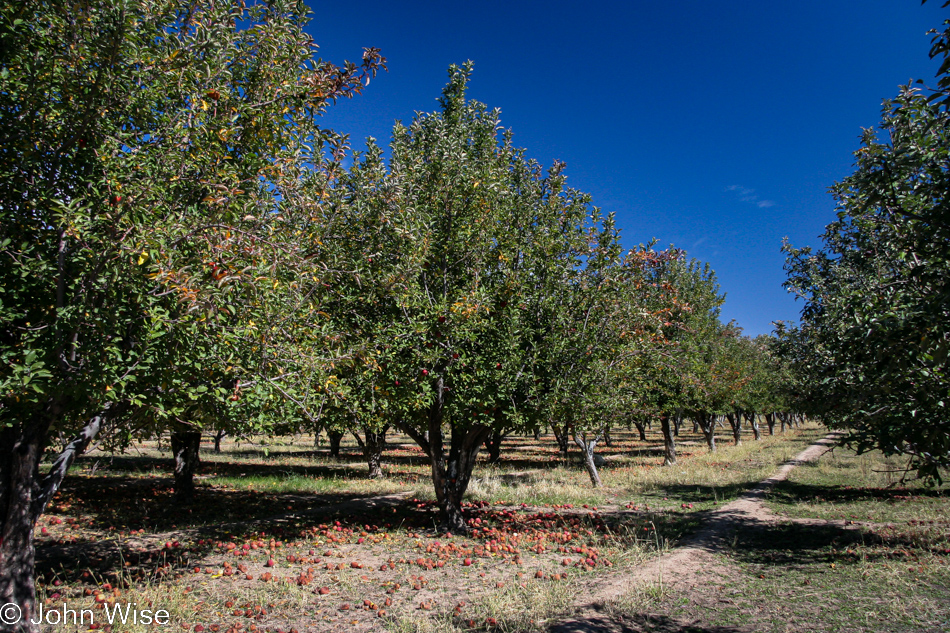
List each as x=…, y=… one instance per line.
x=693, y=565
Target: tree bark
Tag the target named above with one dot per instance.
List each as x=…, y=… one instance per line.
x=607, y=441
x=24, y=495
x=753, y=420
x=587, y=446
x=707, y=422
x=770, y=422
x=562, y=435
x=372, y=447
x=735, y=421
x=452, y=471
x=641, y=429
x=335, y=438
x=217, y=440
x=185, y=447
x=669, y=444
x=493, y=446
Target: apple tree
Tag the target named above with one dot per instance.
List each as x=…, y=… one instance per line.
x=873, y=342
x=151, y=158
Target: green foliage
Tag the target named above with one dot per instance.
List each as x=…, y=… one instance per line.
x=151, y=156
x=873, y=343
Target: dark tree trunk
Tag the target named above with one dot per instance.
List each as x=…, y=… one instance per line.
x=783, y=419
x=642, y=430
x=19, y=471
x=753, y=421
x=587, y=445
x=707, y=422
x=24, y=495
x=770, y=422
x=335, y=438
x=452, y=471
x=677, y=423
x=735, y=421
x=607, y=441
x=185, y=447
x=537, y=434
x=562, y=435
x=217, y=441
x=372, y=447
x=695, y=424
x=493, y=446
x=669, y=444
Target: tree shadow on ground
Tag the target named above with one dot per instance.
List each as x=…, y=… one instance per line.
x=800, y=545
x=600, y=622
x=690, y=493
x=791, y=493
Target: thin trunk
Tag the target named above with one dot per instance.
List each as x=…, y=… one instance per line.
x=493, y=446
x=335, y=438
x=587, y=445
x=185, y=447
x=783, y=419
x=669, y=444
x=641, y=429
x=735, y=421
x=753, y=420
x=770, y=422
x=537, y=434
x=707, y=421
x=562, y=435
x=372, y=447
x=217, y=440
x=677, y=423
x=607, y=441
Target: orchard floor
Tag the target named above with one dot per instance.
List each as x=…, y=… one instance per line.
x=281, y=537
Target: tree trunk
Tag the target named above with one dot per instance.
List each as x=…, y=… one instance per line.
x=587, y=446
x=707, y=422
x=669, y=444
x=537, y=434
x=185, y=446
x=770, y=422
x=642, y=430
x=217, y=441
x=24, y=495
x=562, y=435
x=451, y=472
x=783, y=419
x=677, y=423
x=335, y=438
x=753, y=420
x=372, y=447
x=21, y=451
x=735, y=421
x=493, y=446
x=607, y=441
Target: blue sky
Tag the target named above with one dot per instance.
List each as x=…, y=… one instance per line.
x=715, y=126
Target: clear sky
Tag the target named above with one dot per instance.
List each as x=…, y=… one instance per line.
x=714, y=126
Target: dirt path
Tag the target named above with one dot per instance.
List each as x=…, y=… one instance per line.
x=694, y=562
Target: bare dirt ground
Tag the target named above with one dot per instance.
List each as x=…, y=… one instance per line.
x=692, y=565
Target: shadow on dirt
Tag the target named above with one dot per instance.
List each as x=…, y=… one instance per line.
x=790, y=493
x=599, y=622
